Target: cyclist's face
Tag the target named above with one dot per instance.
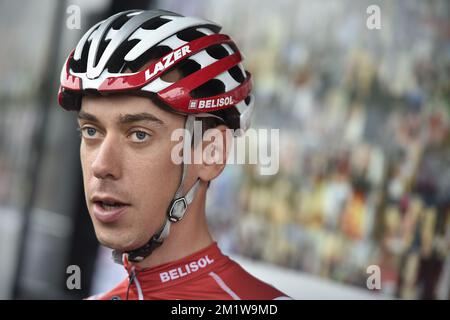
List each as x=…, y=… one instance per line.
x=129, y=177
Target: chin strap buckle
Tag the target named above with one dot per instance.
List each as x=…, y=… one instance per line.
x=177, y=209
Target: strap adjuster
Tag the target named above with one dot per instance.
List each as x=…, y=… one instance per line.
x=177, y=209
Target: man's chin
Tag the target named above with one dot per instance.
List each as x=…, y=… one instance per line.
x=117, y=243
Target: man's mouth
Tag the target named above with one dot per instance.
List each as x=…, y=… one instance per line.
x=106, y=205
x=108, y=209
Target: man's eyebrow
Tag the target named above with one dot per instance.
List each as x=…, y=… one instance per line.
x=144, y=116
x=123, y=119
x=82, y=115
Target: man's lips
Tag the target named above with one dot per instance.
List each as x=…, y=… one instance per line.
x=108, y=209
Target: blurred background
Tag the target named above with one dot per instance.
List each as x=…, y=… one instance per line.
x=364, y=175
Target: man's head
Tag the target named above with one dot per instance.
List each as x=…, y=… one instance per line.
x=134, y=79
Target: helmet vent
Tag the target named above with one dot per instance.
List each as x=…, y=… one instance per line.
x=101, y=49
x=217, y=51
x=210, y=88
x=148, y=56
x=79, y=66
x=236, y=74
x=154, y=23
x=190, y=34
x=120, y=21
x=116, y=62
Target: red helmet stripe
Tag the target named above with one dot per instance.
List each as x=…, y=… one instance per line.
x=178, y=94
x=140, y=79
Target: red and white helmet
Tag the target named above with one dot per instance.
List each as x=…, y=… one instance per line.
x=113, y=56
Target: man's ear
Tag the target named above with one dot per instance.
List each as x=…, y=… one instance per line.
x=215, y=145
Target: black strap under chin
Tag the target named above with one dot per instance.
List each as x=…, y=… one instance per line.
x=141, y=253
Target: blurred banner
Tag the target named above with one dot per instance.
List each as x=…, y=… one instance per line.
x=363, y=180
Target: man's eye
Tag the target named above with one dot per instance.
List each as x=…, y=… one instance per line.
x=139, y=136
x=88, y=132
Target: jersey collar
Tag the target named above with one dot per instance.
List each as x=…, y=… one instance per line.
x=175, y=272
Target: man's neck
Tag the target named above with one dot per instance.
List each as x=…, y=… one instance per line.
x=186, y=237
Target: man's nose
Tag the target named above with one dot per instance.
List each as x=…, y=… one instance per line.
x=107, y=161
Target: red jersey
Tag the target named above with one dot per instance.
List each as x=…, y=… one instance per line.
x=205, y=275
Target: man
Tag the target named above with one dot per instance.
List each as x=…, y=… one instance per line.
x=135, y=78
